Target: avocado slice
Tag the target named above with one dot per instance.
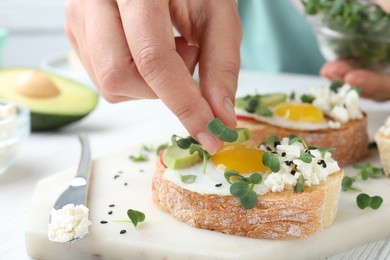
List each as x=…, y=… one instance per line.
x=178, y=158
x=266, y=100
x=54, y=101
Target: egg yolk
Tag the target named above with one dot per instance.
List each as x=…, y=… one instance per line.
x=241, y=158
x=300, y=112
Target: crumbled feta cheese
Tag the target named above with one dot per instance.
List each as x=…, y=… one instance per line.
x=334, y=124
x=68, y=223
x=339, y=113
x=342, y=105
x=314, y=172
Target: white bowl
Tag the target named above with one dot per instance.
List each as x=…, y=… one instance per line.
x=13, y=131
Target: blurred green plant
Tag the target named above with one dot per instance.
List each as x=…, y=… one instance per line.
x=363, y=27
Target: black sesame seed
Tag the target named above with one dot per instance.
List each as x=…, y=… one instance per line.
x=283, y=154
x=218, y=185
x=268, y=148
x=111, y=205
x=122, y=231
x=324, y=165
x=125, y=184
x=293, y=172
x=288, y=163
x=274, y=152
x=110, y=212
x=116, y=176
x=103, y=222
x=276, y=143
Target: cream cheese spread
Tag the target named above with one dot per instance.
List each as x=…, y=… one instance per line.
x=68, y=223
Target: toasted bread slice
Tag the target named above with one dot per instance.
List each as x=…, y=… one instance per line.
x=350, y=140
x=383, y=143
x=283, y=215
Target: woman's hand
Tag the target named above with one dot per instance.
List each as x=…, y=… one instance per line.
x=374, y=85
x=129, y=51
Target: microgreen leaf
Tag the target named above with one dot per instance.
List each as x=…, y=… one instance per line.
x=135, y=216
x=292, y=96
x=358, y=90
x=141, y=157
x=255, y=178
x=323, y=151
x=239, y=189
x=187, y=178
x=185, y=143
x=271, y=141
x=347, y=183
x=160, y=148
x=363, y=200
x=252, y=104
x=265, y=111
x=294, y=138
x=249, y=201
x=272, y=161
x=229, y=174
x=366, y=171
x=307, y=98
x=335, y=86
x=217, y=128
x=306, y=157
x=300, y=186
x=376, y=202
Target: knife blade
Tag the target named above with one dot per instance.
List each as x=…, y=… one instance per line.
x=76, y=193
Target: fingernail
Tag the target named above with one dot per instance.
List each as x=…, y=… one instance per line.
x=208, y=141
x=229, y=107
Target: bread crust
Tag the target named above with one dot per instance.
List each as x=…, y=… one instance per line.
x=283, y=215
x=350, y=140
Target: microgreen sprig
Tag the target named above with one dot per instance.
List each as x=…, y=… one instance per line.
x=242, y=188
x=142, y=157
x=196, y=148
x=135, y=217
x=307, y=98
x=365, y=171
x=300, y=186
x=193, y=146
x=363, y=201
x=217, y=128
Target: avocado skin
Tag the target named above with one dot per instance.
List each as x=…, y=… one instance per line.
x=51, y=119
x=45, y=122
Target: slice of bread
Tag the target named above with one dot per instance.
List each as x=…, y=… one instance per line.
x=350, y=140
x=282, y=215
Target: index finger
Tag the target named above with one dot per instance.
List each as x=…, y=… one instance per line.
x=151, y=42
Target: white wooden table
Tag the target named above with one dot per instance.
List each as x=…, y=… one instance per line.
x=110, y=128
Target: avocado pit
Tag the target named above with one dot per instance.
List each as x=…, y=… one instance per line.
x=35, y=84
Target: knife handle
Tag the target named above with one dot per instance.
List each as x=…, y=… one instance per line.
x=85, y=159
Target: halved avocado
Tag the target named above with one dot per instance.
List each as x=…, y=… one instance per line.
x=54, y=101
